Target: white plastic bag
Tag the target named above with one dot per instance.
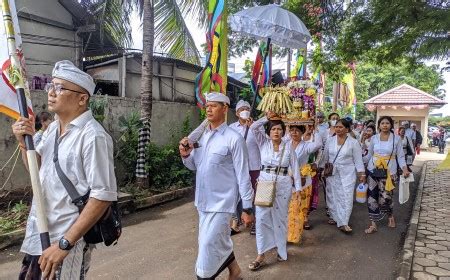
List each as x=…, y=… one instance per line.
x=403, y=188
x=361, y=193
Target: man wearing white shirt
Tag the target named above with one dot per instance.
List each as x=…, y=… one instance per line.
x=322, y=126
x=221, y=162
x=409, y=132
x=254, y=156
x=86, y=157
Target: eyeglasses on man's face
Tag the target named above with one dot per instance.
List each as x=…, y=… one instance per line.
x=58, y=89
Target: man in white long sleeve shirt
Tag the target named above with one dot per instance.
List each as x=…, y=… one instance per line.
x=221, y=162
x=254, y=155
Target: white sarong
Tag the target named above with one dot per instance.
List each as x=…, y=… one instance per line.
x=340, y=191
x=214, y=242
x=271, y=222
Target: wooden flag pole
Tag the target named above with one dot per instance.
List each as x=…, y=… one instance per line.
x=266, y=53
x=17, y=80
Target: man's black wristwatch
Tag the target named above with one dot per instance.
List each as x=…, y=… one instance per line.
x=64, y=244
x=248, y=211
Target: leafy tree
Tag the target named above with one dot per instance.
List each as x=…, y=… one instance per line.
x=248, y=68
x=389, y=30
x=373, y=79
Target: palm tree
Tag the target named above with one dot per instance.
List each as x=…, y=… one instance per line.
x=161, y=19
x=170, y=29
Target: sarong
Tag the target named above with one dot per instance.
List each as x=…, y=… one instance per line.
x=74, y=266
x=315, y=194
x=214, y=242
x=379, y=201
x=298, y=214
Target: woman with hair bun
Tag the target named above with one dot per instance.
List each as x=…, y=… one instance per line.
x=344, y=152
x=385, y=147
x=271, y=222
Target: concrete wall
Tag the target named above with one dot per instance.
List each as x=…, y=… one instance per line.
x=165, y=87
x=39, y=39
x=166, y=120
x=419, y=116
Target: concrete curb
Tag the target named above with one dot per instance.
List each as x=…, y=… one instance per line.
x=15, y=237
x=162, y=198
x=11, y=238
x=408, y=247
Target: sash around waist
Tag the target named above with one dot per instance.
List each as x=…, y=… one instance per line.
x=274, y=169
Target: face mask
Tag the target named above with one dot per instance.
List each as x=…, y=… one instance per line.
x=244, y=115
x=333, y=122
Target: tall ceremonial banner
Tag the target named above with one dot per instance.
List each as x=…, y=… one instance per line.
x=297, y=72
x=213, y=77
x=8, y=95
x=14, y=102
x=265, y=78
x=348, y=80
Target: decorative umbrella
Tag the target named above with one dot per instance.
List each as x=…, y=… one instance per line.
x=271, y=23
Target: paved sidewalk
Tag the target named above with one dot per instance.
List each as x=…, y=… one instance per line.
x=432, y=246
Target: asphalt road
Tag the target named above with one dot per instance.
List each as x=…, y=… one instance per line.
x=161, y=243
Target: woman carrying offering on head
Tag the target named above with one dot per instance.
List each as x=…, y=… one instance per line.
x=300, y=202
x=271, y=222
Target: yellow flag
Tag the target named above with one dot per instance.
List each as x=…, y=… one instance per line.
x=445, y=164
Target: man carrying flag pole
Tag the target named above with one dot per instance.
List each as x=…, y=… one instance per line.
x=12, y=87
x=75, y=150
x=220, y=160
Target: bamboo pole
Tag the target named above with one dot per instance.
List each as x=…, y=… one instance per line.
x=19, y=85
x=266, y=53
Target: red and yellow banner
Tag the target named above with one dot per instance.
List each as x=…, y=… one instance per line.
x=8, y=96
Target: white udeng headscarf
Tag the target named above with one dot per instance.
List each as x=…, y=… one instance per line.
x=66, y=70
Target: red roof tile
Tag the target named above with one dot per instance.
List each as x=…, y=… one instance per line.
x=405, y=94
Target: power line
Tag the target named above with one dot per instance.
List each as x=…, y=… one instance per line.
x=182, y=93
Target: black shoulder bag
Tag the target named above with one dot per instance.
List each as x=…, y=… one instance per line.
x=328, y=169
x=381, y=173
x=109, y=228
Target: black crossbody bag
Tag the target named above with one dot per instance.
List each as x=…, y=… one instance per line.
x=109, y=227
x=381, y=173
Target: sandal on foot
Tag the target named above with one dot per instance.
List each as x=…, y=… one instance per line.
x=331, y=222
x=280, y=259
x=256, y=265
x=346, y=229
x=371, y=229
x=253, y=230
x=234, y=231
x=391, y=223
x=306, y=226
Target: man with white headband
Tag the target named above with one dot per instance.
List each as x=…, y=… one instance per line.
x=409, y=132
x=254, y=155
x=85, y=154
x=222, y=176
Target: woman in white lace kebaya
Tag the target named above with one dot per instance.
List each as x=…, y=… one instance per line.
x=271, y=222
